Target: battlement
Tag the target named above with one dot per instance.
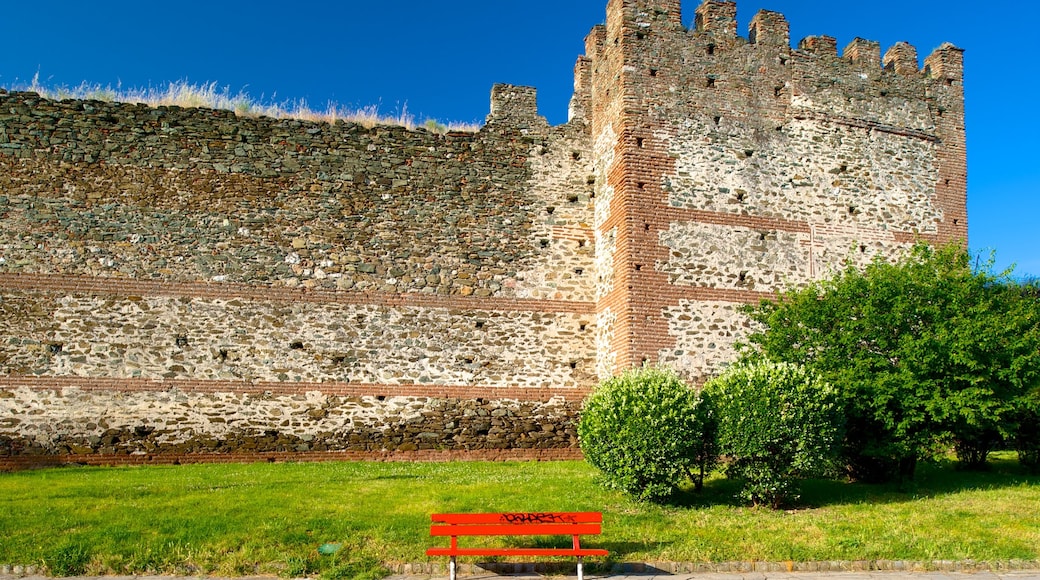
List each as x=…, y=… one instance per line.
x=666, y=11
x=901, y=58
x=515, y=106
x=717, y=20
x=946, y=63
x=769, y=28
x=863, y=52
x=819, y=45
x=718, y=17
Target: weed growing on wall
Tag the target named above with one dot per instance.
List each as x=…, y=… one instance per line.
x=212, y=96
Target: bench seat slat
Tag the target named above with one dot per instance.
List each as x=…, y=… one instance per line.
x=516, y=530
x=515, y=552
x=520, y=518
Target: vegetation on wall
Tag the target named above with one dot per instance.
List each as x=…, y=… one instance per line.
x=184, y=93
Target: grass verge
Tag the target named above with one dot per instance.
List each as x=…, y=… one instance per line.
x=346, y=520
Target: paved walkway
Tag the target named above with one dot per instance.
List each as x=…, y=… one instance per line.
x=1008, y=575
x=984, y=575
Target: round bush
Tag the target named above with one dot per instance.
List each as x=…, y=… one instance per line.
x=777, y=422
x=646, y=431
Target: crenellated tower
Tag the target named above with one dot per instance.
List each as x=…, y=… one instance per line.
x=731, y=167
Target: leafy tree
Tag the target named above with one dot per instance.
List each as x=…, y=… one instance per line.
x=926, y=351
x=647, y=431
x=777, y=422
x=992, y=350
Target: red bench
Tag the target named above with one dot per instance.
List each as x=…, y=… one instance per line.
x=573, y=524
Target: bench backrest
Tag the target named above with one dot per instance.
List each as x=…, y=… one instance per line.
x=516, y=524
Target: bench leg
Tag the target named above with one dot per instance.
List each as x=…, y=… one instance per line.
x=452, y=568
x=581, y=568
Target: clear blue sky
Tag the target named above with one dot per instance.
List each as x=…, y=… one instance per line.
x=440, y=58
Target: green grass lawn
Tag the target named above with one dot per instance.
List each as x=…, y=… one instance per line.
x=273, y=518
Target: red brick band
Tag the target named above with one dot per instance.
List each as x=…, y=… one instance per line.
x=13, y=463
x=678, y=214
x=228, y=291
x=866, y=124
x=341, y=389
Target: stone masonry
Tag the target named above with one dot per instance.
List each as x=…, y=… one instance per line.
x=190, y=285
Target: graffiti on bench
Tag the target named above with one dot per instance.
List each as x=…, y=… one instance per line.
x=538, y=518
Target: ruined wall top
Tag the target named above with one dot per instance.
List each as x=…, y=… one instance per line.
x=718, y=19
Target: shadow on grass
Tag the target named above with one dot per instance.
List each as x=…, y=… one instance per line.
x=565, y=565
x=718, y=491
x=932, y=479
x=567, y=568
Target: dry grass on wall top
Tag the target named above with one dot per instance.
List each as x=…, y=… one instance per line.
x=210, y=95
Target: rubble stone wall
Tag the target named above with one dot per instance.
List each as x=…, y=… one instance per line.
x=146, y=247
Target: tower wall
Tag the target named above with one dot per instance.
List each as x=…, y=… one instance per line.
x=739, y=167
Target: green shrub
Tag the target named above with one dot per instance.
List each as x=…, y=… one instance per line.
x=777, y=422
x=647, y=431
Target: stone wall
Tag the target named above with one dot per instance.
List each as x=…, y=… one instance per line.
x=190, y=285
x=168, y=337
x=81, y=421
x=737, y=166
x=104, y=189
x=241, y=255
